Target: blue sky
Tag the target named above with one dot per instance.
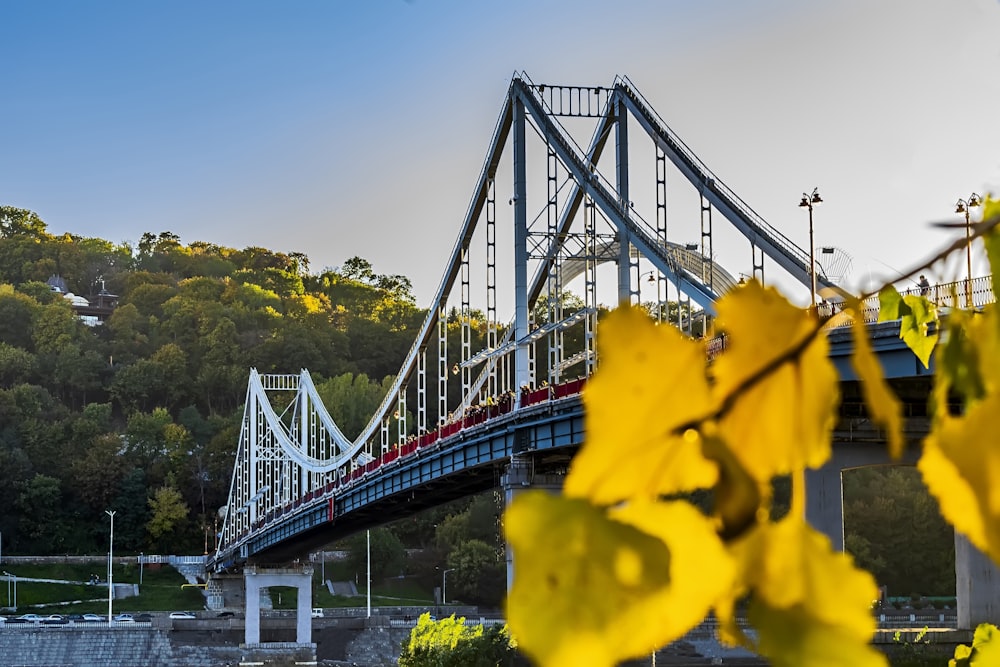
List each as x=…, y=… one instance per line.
x=359, y=128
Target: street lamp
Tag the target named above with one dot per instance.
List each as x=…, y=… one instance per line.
x=111, y=546
x=963, y=206
x=444, y=586
x=808, y=201
x=13, y=605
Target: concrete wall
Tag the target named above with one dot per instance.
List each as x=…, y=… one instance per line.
x=117, y=647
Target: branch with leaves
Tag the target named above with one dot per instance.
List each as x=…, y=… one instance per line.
x=622, y=563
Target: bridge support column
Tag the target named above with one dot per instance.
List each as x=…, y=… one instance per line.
x=299, y=578
x=977, y=585
x=521, y=476
x=825, y=502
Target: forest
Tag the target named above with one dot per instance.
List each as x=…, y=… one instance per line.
x=140, y=414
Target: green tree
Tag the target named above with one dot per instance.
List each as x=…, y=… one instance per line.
x=480, y=576
x=131, y=506
x=449, y=642
x=169, y=516
x=19, y=221
x=387, y=554
x=42, y=518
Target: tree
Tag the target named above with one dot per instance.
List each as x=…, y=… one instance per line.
x=449, y=642
x=19, y=221
x=387, y=554
x=131, y=507
x=169, y=516
x=480, y=576
x=39, y=504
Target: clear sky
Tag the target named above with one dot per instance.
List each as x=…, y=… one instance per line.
x=359, y=128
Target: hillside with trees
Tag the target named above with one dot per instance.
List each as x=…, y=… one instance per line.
x=140, y=413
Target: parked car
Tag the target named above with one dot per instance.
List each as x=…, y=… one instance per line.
x=29, y=618
x=182, y=615
x=144, y=618
x=225, y=614
x=55, y=619
x=93, y=618
x=124, y=618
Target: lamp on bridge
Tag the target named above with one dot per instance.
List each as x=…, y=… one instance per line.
x=963, y=206
x=808, y=201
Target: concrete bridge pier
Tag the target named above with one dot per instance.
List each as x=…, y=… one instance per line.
x=257, y=578
x=520, y=477
x=977, y=578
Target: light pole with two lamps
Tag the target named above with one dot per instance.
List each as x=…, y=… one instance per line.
x=444, y=585
x=963, y=206
x=11, y=602
x=111, y=546
x=808, y=201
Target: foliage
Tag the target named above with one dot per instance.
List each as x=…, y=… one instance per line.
x=168, y=514
x=387, y=554
x=894, y=529
x=449, y=642
x=479, y=575
x=169, y=368
x=619, y=548
x=984, y=652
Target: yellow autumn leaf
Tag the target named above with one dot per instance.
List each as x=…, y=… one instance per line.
x=810, y=605
x=650, y=382
x=883, y=405
x=789, y=639
x=593, y=588
x=960, y=465
x=783, y=422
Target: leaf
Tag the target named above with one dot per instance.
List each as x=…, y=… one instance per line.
x=883, y=405
x=958, y=364
x=593, y=588
x=890, y=304
x=783, y=422
x=809, y=603
x=915, y=314
x=914, y=327
x=737, y=496
x=960, y=465
x=984, y=652
x=991, y=211
x=651, y=381
x=790, y=639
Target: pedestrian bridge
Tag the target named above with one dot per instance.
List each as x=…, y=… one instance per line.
x=486, y=399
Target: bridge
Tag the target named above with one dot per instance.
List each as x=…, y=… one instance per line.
x=506, y=412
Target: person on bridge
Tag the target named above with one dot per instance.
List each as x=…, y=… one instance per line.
x=925, y=287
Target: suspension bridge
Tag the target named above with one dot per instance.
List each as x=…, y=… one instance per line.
x=505, y=413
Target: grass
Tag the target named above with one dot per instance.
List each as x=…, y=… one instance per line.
x=160, y=589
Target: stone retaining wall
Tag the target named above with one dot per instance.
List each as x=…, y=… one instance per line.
x=110, y=647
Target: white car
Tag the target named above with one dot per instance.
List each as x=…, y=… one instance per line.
x=93, y=618
x=182, y=615
x=124, y=618
x=30, y=618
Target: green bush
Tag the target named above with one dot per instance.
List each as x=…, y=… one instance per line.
x=450, y=643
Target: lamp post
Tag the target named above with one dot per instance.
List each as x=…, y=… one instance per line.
x=444, y=586
x=963, y=206
x=808, y=201
x=13, y=577
x=111, y=546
